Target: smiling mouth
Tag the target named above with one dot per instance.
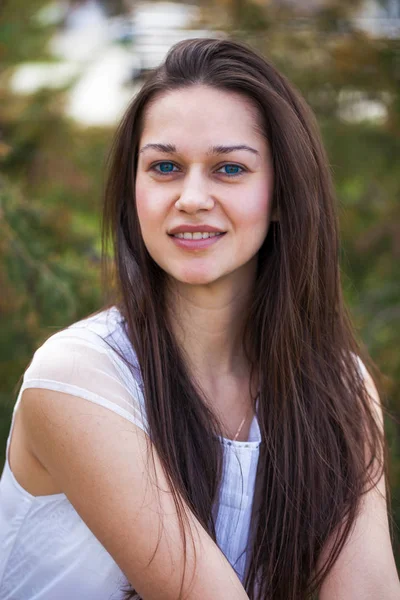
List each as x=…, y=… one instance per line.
x=197, y=235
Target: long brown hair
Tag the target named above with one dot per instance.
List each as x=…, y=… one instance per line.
x=321, y=448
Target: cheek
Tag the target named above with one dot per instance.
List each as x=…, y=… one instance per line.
x=252, y=211
x=149, y=207
x=141, y=202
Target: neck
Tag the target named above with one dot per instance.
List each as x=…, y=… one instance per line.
x=208, y=322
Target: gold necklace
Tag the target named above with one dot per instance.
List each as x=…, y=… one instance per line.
x=241, y=425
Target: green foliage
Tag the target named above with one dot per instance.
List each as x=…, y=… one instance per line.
x=49, y=212
x=22, y=38
x=49, y=276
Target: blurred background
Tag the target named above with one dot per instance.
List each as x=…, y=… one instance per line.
x=68, y=71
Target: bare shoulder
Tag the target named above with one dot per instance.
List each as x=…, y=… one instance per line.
x=366, y=569
x=101, y=462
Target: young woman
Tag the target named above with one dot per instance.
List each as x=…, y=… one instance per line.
x=214, y=433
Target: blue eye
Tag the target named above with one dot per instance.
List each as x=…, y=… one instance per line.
x=165, y=167
x=232, y=170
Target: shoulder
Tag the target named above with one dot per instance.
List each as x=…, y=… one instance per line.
x=94, y=330
x=375, y=403
x=100, y=336
x=93, y=360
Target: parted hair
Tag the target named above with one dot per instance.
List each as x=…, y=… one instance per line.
x=321, y=447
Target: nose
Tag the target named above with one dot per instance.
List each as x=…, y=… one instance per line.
x=194, y=196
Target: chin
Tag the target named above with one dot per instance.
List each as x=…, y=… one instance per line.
x=196, y=280
x=193, y=277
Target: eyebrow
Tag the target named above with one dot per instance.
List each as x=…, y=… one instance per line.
x=171, y=149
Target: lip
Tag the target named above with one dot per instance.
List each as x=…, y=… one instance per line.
x=194, y=245
x=194, y=228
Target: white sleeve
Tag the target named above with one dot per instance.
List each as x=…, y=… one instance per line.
x=80, y=363
x=361, y=368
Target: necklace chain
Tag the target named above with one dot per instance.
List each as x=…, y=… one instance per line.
x=241, y=425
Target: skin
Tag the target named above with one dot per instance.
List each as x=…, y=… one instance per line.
x=366, y=569
x=199, y=190
x=109, y=481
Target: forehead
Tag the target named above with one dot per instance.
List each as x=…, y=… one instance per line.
x=202, y=112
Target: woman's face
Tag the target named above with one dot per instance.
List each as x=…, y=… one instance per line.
x=203, y=168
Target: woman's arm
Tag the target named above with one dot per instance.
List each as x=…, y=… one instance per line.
x=100, y=461
x=365, y=569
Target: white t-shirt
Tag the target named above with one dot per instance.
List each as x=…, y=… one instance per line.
x=46, y=551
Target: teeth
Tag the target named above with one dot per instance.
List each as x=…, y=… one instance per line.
x=197, y=235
